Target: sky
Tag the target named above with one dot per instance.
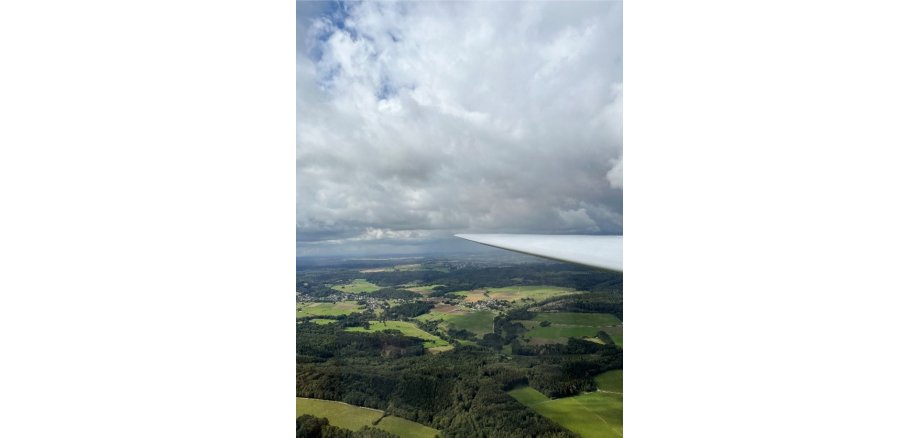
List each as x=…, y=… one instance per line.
x=419, y=120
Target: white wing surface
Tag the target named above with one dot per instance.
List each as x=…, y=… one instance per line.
x=604, y=252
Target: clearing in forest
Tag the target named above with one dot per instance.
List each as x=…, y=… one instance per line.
x=516, y=293
x=328, y=309
x=397, y=268
x=322, y=321
x=424, y=290
x=407, y=328
x=457, y=318
x=611, y=381
x=357, y=286
x=565, y=325
x=593, y=414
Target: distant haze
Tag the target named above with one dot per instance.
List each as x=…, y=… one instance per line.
x=418, y=120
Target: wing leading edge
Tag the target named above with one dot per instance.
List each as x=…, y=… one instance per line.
x=604, y=252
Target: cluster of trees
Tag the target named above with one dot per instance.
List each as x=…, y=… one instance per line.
x=409, y=310
x=480, y=277
x=317, y=290
x=309, y=426
x=559, y=370
x=390, y=293
x=591, y=302
x=320, y=342
x=461, y=392
x=604, y=336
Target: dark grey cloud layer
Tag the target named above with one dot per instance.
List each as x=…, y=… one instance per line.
x=419, y=120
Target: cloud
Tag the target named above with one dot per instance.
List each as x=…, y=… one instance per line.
x=418, y=120
x=615, y=175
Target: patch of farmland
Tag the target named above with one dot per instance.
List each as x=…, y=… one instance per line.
x=516, y=293
x=591, y=415
x=572, y=325
x=405, y=428
x=328, y=309
x=356, y=286
x=407, y=328
x=478, y=322
x=322, y=321
x=397, y=268
x=424, y=290
x=611, y=381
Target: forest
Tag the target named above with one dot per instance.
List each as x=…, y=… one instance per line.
x=461, y=391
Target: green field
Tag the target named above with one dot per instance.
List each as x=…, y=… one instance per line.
x=339, y=414
x=327, y=309
x=572, y=325
x=592, y=319
x=478, y=322
x=611, y=381
x=322, y=321
x=424, y=290
x=397, y=268
x=357, y=286
x=515, y=293
x=408, y=329
x=591, y=415
x=405, y=428
x=354, y=418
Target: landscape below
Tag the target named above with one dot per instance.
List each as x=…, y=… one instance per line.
x=458, y=349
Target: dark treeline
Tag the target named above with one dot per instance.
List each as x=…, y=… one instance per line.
x=559, y=370
x=309, y=426
x=389, y=293
x=409, y=310
x=592, y=302
x=479, y=277
x=320, y=342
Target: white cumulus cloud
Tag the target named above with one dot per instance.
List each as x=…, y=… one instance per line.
x=417, y=120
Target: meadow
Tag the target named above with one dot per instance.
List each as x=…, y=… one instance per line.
x=405, y=428
x=327, y=309
x=478, y=322
x=322, y=321
x=354, y=418
x=591, y=415
x=424, y=290
x=397, y=268
x=516, y=293
x=356, y=286
x=432, y=342
x=566, y=325
x=611, y=381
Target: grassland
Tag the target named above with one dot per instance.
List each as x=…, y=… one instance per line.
x=322, y=321
x=357, y=286
x=354, y=418
x=515, y=293
x=405, y=428
x=339, y=414
x=424, y=290
x=572, y=325
x=409, y=329
x=478, y=322
x=611, y=381
x=591, y=415
x=592, y=319
x=397, y=268
x=327, y=309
